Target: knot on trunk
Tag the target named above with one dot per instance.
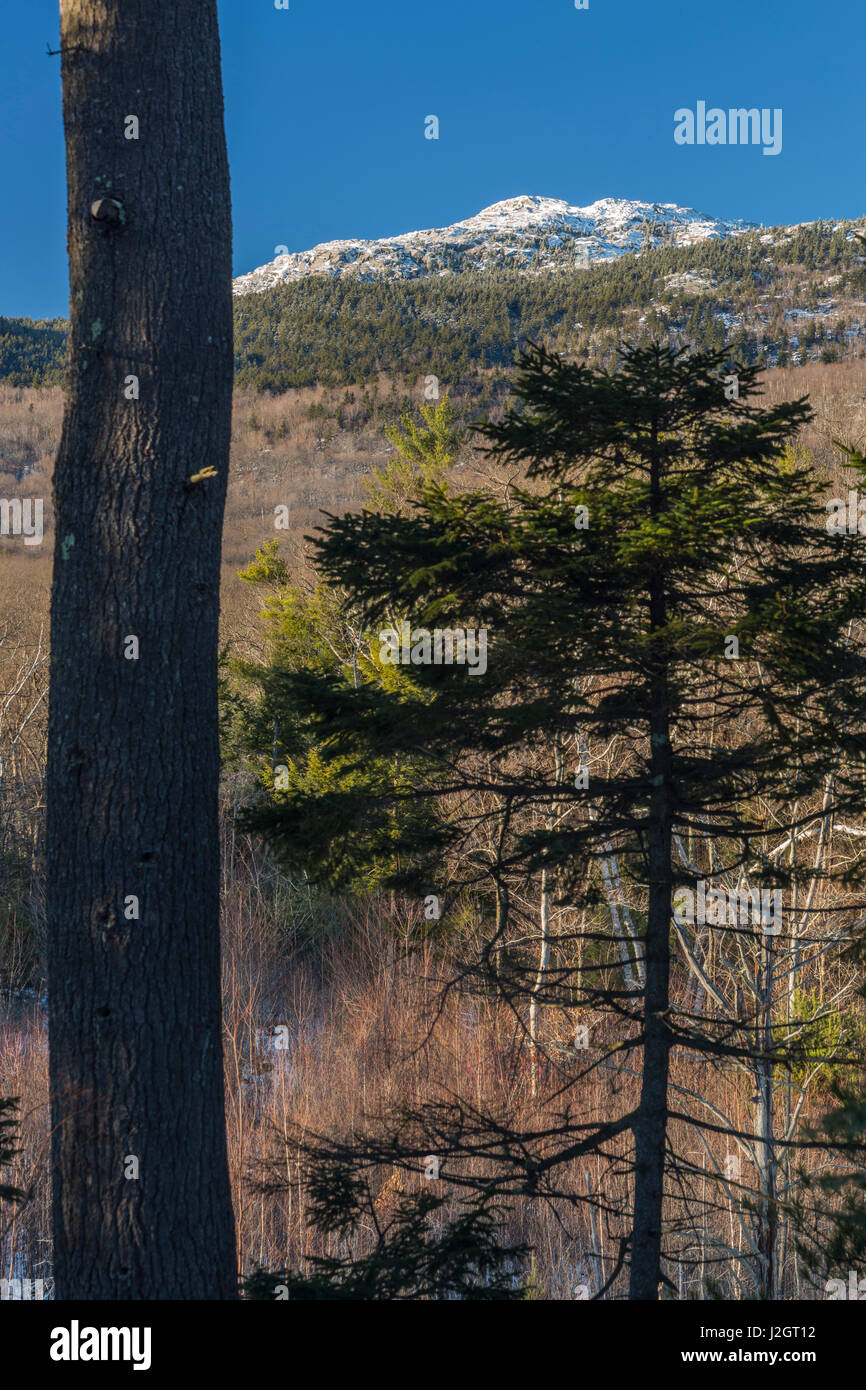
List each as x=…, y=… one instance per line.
x=108, y=210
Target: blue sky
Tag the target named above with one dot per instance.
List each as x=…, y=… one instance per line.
x=326, y=101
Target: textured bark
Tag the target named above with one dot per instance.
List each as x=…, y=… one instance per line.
x=133, y=761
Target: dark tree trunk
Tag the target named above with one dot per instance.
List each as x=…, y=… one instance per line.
x=650, y=1131
x=765, y=1148
x=133, y=760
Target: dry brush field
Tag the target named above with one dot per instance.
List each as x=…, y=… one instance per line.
x=356, y=984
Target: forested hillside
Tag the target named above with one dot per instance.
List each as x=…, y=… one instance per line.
x=779, y=296
x=33, y=353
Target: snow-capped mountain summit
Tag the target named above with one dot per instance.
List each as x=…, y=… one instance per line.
x=528, y=233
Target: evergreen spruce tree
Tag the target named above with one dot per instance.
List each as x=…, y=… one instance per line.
x=663, y=584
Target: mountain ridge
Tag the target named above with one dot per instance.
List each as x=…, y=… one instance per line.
x=528, y=232
x=783, y=295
